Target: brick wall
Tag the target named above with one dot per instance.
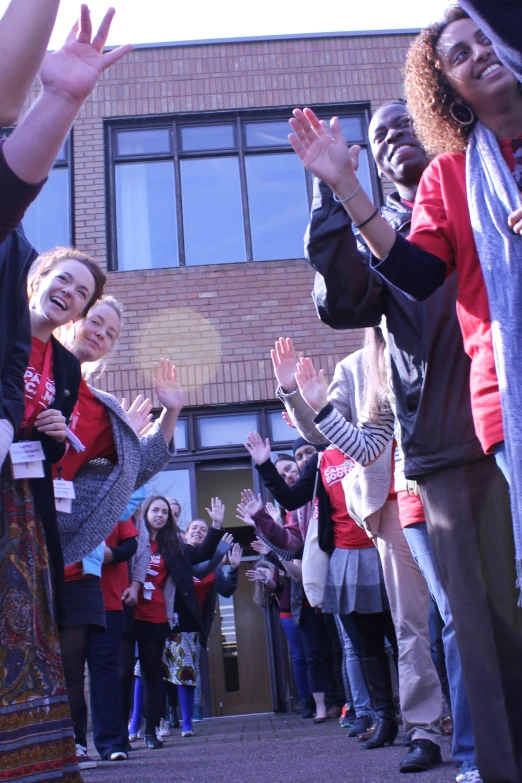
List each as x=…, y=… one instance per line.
x=219, y=322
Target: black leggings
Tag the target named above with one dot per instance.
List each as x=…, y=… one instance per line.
x=127, y=661
x=150, y=654
x=372, y=630
x=73, y=643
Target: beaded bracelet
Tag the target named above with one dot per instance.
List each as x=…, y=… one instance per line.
x=344, y=200
x=368, y=219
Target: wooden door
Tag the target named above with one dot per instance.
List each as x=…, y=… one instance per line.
x=238, y=654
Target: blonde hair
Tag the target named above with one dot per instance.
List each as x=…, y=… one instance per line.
x=70, y=336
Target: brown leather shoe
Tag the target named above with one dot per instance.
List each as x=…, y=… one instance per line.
x=333, y=712
x=368, y=733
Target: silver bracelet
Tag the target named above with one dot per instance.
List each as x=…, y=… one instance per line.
x=344, y=200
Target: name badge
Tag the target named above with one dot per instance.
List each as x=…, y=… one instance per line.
x=27, y=459
x=64, y=495
x=148, y=588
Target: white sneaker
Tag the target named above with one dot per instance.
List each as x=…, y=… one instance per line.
x=83, y=760
x=118, y=755
x=164, y=728
x=470, y=776
x=189, y=733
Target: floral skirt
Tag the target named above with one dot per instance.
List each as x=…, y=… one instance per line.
x=179, y=658
x=36, y=734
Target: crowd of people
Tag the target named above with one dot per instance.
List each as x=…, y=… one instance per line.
x=394, y=553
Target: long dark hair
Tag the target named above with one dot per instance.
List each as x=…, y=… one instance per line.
x=168, y=537
x=376, y=378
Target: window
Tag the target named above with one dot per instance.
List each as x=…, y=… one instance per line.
x=231, y=430
x=231, y=190
x=47, y=222
x=280, y=431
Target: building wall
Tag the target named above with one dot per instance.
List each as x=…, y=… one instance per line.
x=219, y=322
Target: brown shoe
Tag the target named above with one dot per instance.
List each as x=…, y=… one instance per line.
x=320, y=720
x=333, y=712
x=446, y=725
x=368, y=733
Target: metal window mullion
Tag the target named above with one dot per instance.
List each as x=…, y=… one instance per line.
x=244, y=191
x=179, y=205
x=110, y=184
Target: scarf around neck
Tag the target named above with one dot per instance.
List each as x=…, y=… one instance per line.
x=492, y=196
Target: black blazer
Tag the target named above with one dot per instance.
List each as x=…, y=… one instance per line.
x=16, y=257
x=67, y=376
x=179, y=565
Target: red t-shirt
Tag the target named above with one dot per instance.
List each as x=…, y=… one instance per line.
x=43, y=394
x=411, y=510
x=115, y=576
x=347, y=533
x=90, y=422
x=75, y=572
x=202, y=587
x=153, y=610
x=441, y=225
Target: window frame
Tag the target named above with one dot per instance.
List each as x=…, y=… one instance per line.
x=238, y=120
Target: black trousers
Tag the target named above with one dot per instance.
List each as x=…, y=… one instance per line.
x=469, y=522
x=313, y=636
x=335, y=695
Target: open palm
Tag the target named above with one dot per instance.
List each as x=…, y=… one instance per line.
x=167, y=386
x=75, y=69
x=326, y=156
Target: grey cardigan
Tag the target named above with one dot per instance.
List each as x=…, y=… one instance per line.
x=103, y=489
x=366, y=487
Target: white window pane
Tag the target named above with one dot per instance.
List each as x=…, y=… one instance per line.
x=174, y=485
x=47, y=221
x=280, y=431
x=351, y=128
x=212, y=211
x=180, y=435
x=226, y=430
x=146, y=215
x=143, y=142
x=278, y=206
x=363, y=173
x=267, y=134
x=207, y=137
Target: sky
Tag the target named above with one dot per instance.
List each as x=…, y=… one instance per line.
x=155, y=21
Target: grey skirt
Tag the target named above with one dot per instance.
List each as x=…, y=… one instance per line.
x=355, y=582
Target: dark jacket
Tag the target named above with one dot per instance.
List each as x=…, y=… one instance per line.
x=179, y=565
x=430, y=370
x=225, y=585
x=67, y=375
x=501, y=21
x=16, y=257
x=298, y=495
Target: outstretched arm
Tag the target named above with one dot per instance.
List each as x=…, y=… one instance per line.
x=68, y=77
x=25, y=30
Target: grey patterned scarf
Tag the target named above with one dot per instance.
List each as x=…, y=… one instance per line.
x=492, y=196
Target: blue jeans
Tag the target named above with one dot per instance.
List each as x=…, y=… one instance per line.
x=361, y=698
x=293, y=637
x=501, y=459
x=103, y=651
x=463, y=747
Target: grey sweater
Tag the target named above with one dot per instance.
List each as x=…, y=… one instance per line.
x=366, y=487
x=103, y=489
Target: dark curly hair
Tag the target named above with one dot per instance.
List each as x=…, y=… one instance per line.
x=429, y=95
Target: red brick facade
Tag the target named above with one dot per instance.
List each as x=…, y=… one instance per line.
x=219, y=322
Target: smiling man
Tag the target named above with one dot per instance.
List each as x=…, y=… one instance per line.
x=430, y=378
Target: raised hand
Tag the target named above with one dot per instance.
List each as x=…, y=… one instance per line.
x=259, y=547
x=139, y=414
x=259, y=575
x=249, y=506
x=235, y=555
x=258, y=448
x=216, y=512
x=74, y=70
x=284, y=359
x=52, y=423
x=324, y=154
x=228, y=539
x=286, y=416
x=515, y=221
x=313, y=386
x=167, y=386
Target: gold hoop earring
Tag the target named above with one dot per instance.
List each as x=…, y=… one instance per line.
x=462, y=114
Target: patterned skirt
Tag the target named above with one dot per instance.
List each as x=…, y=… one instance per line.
x=355, y=582
x=179, y=658
x=36, y=735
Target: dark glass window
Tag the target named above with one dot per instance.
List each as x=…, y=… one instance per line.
x=198, y=192
x=47, y=223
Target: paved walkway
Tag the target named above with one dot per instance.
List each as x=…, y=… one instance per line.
x=265, y=749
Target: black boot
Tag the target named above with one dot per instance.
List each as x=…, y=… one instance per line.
x=308, y=707
x=173, y=718
x=152, y=742
x=377, y=677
